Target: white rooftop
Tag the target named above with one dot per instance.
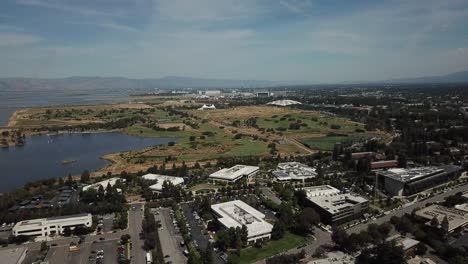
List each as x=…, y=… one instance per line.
x=403, y=241
x=284, y=102
x=320, y=190
x=104, y=183
x=330, y=199
x=237, y=213
x=234, y=173
x=161, y=179
x=455, y=216
x=405, y=175
x=294, y=171
x=58, y=219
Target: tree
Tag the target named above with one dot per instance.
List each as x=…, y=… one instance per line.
x=44, y=246
x=339, y=237
x=66, y=231
x=85, y=176
x=421, y=249
x=207, y=255
x=445, y=224
x=306, y=219
x=387, y=253
x=244, y=234
x=125, y=238
x=434, y=222
x=278, y=230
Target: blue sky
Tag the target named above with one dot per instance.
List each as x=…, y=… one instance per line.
x=311, y=40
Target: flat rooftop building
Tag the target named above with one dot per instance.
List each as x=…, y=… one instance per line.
x=402, y=182
x=51, y=225
x=237, y=213
x=294, y=171
x=334, y=206
x=456, y=218
x=158, y=186
x=13, y=255
x=104, y=183
x=320, y=190
x=235, y=173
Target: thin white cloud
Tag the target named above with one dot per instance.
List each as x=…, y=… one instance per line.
x=17, y=39
x=297, y=6
x=63, y=6
x=115, y=26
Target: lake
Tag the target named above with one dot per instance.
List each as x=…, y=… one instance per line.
x=41, y=156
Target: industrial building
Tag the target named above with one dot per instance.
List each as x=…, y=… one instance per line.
x=235, y=173
x=13, y=255
x=456, y=218
x=158, y=186
x=104, y=183
x=335, y=207
x=293, y=171
x=237, y=213
x=52, y=225
x=402, y=182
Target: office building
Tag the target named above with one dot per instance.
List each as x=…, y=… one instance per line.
x=293, y=171
x=104, y=183
x=235, y=173
x=335, y=207
x=402, y=182
x=52, y=225
x=160, y=179
x=456, y=218
x=237, y=213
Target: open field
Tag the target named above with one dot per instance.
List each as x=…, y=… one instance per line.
x=327, y=143
x=79, y=115
x=272, y=248
x=202, y=136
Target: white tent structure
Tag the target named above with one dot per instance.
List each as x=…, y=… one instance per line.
x=284, y=102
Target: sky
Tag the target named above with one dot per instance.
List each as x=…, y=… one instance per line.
x=279, y=40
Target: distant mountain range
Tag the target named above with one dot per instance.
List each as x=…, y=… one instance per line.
x=457, y=77
x=174, y=82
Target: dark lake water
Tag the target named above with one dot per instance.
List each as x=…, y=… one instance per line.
x=40, y=157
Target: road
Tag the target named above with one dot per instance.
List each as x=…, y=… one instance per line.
x=270, y=195
x=135, y=227
x=407, y=209
x=196, y=232
x=170, y=241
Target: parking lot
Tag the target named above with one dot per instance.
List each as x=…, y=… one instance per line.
x=106, y=222
x=198, y=237
x=170, y=239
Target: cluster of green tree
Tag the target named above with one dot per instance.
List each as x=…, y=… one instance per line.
x=286, y=258
x=374, y=235
x=456, y=199
x=151, y=236
x=385, y=252
x=156, y=127
x=432, y=235
x=232, y=238
x=121, y=220
x=80, y=230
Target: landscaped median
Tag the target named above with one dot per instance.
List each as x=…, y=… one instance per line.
x=271, y=248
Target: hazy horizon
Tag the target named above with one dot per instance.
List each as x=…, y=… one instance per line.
x=287, y=40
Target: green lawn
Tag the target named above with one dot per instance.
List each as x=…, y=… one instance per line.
x=272, y=248
x=323, y=143
x=247, y=147
x=315, y=123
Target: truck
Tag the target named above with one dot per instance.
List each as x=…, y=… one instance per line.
x=149, y=258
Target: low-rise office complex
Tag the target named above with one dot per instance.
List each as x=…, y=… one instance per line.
x=456, y=218
x=335, y=207
x=158, y=186
x=104, y=183
x=235, y=173
x=294, y=171
x=51, y=225
x=402, y=182
x=237, y=213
